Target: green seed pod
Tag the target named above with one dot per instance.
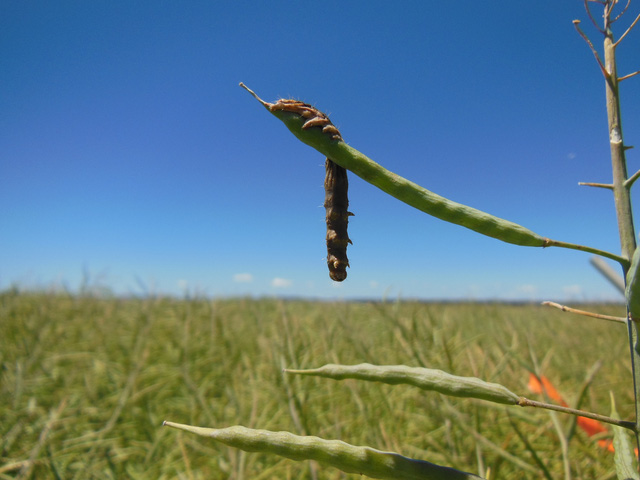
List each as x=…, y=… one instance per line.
x=327, y=140
x=424, y=378
x=632, y=291
x=348, y=458
x=425, y=200
x=299, y=117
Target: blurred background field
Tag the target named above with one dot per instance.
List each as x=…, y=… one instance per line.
x=86, y=383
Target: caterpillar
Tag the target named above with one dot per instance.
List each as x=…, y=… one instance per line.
x=336, y=185
x=336, y=202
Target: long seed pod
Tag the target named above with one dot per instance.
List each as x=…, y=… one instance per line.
x=298, y=117
x=424, y=378
x=348, y=458
x=411, y=193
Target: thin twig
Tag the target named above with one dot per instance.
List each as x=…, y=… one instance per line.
x=627, y=30
x=609, y=273
x=622, y=12
x=576, y=24
x=629, y=181
x=583, y=248
x=599, y=185
x=525, y=402
x=628, y=76
x=595, y=24
x=608, y=8
x=601, y=316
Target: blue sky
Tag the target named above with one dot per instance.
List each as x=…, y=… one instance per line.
x=130, y=156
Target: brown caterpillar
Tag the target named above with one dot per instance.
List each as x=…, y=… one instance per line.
x=336, y=184
x=336, y=203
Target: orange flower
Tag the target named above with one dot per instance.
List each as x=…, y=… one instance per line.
x=589, y=426
x=536, y=387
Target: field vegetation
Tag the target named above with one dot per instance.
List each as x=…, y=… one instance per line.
x=87, y=381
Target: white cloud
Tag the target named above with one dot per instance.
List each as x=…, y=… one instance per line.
x=281, y=282
x=527, y=289
x=572, y=291
x=243, y=278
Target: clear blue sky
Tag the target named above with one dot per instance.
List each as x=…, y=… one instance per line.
x=128, y=151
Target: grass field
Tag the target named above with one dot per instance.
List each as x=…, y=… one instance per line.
x=87, y=382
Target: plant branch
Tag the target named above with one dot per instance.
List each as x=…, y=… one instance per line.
x=628, y=76
x=576, y=24
x=564, y=308
x=622, y=12
x=595, y=24
x=525, y=402
x=629, y=181
x=598, y=185
x=583, y=248
x=633, y=24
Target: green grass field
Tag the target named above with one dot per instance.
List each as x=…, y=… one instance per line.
x=87, y=382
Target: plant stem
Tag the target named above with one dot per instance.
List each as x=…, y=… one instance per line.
x=525, y=402
x=621, y=190
x=597, y=185
x=564, y=308
x=583, y=248
x=618, y=160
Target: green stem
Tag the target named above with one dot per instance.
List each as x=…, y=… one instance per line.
x=583, y=248
x=525, y=402
x=621, y=189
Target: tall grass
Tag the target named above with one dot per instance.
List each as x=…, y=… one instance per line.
x=86, y=383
